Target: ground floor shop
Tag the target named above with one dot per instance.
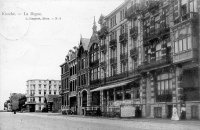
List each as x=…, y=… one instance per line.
x=172, y=87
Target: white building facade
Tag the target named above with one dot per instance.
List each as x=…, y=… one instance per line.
x=36, y=90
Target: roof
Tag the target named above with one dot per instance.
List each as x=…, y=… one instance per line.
x=119, y=7
x=85, y=42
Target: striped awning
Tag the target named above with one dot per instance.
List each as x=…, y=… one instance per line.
x=111, y=86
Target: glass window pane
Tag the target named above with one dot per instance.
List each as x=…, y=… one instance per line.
x=184, y=44
x=176, y=47
x=180, y=45
x=170, y=85
x=189, y=42
x=166, y=86
x=162, y=87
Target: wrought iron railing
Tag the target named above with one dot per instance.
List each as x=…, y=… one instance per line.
x=113, y=60
x=134, y=32
x=103, y=32
x=123, y=38
x=113, y=43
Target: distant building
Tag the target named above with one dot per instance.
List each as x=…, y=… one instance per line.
x=36, y=91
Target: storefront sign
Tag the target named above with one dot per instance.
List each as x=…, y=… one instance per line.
x=127, y=111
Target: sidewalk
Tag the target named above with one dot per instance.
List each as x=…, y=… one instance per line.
x=155, y=120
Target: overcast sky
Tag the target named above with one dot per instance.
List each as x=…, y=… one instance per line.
x=34, y=49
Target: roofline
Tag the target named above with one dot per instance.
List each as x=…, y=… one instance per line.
x=44, y=79
x=63, y=63
x=125, y=2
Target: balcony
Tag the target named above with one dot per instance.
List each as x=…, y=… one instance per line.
x=113, y=43
x=117, y=76
x=103, y=32
x=156, y=63
x=132, y=12
x=113, y=60
x=93, y=82
x=153, y=6
x=124, y=57
x=103, y=64
x=103, y=48
x=94, y=63
x=134, y=32
x=164, y=98
x=30, y=102
x=185, y=56
x=133, y=53
x=193, y=16
x=123, y=38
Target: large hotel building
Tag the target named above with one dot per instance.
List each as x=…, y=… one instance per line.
x=37, y=90
x=144, y=58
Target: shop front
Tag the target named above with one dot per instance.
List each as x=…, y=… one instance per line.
x=120, y=99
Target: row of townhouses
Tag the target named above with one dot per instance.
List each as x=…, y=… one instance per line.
x=144, y=57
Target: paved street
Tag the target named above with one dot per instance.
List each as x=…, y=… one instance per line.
x=48, y=121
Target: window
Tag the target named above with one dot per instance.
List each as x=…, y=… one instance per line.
x=119, y=94
x=158, y=51
x=44, y=92
x=164, y=87
x=127, y=93
x=122, y=14
x=111, y=94
x=113, y=70
x=113, y=21
x=39, y=91
x=83, y=63
x=182, y=44
x=54, y=92
x=39, y=85
x=39, y=99
x=123, y=67
x=49, y=92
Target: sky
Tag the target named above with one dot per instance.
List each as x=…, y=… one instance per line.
x=34, y=49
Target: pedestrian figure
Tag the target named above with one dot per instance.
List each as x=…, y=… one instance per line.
x=183, y=112
x=175, y=114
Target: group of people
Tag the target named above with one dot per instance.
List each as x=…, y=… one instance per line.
x=175, y=113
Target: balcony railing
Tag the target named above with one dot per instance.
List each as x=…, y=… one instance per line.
x=103, y=64
x=192, y=16
x=185, y=56
x=117, y=76
x=103, y=48
x=132, y=12
x=134, y=32
x=164, y=98
x=133, y=53
x=113, y=43
x=103, y=32
x=123, y=38
x=156, y=63
x=113, y=60
x=153, y=6
x=124, y=56
x=30, y=102
x=93, y=82
x=94, y=63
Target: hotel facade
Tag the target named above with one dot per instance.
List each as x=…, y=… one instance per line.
x=37, y=90
x=144, y=59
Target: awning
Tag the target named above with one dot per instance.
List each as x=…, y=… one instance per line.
x=111, y=86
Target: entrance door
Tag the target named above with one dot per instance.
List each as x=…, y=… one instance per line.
x=169, y=111
x=157, y=112
x=194, y=112
x=138, y=112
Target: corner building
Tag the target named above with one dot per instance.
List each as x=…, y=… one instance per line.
x=145, y=55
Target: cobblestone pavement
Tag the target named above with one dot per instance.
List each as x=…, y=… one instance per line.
x=52, y=121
